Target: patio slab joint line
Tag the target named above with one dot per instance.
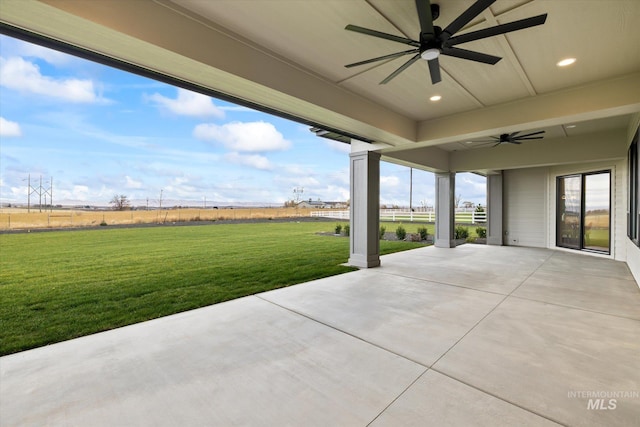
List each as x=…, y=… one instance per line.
x=437, y=282
x=493, y=309
x=498, y=397
x=575, y=308
x=343, y=331
x=398, y=397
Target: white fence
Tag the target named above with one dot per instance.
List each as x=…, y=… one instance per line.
x=463, y=216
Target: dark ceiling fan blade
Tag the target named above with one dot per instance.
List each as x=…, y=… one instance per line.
x=513, y=134
x=531, y=134
x=471, y=55
x=426, y=20
x=498, y=29
x=382, y=35
x=381, y=58
x=401, y=69
x=466, y=17
x=434, y=70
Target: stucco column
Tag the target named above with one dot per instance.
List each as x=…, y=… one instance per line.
x=445, y=209
x=364, y=249
x=494, y=209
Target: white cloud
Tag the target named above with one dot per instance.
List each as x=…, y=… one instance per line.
x=25, y=76
x=252, y=160
x=188, y=104
x=389, y=181
x=131, y=183
x=340, y=147
x=9, y=128
x=244, y=136
x=51, y=56
x=238, y=108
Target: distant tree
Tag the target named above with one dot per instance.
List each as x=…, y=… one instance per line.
x=120, y=202
x=290, y=204
x=457, y=200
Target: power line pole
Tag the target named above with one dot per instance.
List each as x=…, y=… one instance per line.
x=40, y=194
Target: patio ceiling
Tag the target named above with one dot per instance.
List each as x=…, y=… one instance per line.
x=289, y=56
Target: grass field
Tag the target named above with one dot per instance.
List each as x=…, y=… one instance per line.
x=21, y=219
x=59, y=285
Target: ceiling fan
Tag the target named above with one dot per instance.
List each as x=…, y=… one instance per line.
x=434, y=41
x=513, y=138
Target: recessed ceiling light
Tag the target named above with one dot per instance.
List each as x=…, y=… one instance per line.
x=570, y=126
x=566, y=62
x=469, y=142
x=435, y=98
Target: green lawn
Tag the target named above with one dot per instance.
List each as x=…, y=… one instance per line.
x=56, y=286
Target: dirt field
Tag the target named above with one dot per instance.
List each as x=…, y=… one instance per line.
x=20, y=219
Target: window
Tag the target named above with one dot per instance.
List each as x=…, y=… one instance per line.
x=632, y=200
x=583, y=211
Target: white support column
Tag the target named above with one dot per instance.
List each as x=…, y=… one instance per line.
x=494, y=209
x=445, y=209
x=364, y=249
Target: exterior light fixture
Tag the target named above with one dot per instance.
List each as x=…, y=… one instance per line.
x=430, y=54
x=566, y=62
x=435, y=98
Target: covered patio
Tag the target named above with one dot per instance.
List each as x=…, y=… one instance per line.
x=518, y=332
x=476, y=335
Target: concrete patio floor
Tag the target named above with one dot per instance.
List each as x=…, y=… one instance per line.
x=476, y=335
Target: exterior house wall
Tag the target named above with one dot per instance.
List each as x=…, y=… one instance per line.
x=632, y=251
x=530, y=206
x=633, y=259
x=525, y=207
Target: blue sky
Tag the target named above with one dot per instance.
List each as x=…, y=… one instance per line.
x=98, y=131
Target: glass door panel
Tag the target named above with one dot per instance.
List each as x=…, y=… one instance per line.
x=569, y=211
x=596, y=212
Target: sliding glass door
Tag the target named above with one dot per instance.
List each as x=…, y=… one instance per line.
x=583, y=211
x=569, y=208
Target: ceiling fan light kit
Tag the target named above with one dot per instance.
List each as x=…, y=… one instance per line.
x=434, y=41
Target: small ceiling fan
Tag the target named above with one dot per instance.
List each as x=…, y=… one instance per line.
x=433, y=41
x=513, y=138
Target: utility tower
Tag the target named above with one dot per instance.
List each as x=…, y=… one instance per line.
x=40, y=191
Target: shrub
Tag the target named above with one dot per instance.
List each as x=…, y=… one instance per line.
x=347, y=229
x=462, y=232
x=401, y=233
x=422, y=231
x=481, y=232
x=383, y=229
x=103, y=224
x=338, y=228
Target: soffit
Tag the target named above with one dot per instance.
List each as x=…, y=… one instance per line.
x=311, y=35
